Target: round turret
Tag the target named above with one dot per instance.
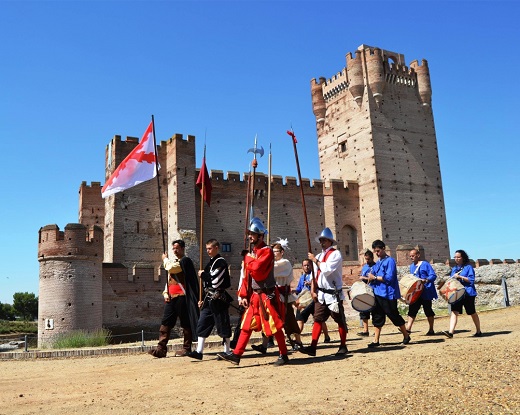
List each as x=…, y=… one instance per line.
x=70, y=289
x=423, y=81
x=355, y=76
x=376, y=73
x=318, y=102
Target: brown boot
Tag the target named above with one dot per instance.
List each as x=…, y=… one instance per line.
x=186, y=345
x=161, y=349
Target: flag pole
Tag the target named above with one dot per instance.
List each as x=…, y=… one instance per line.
x=201, y=225
x=309, y=248
x=269, y=196
x=160, y=202
x=158, y=185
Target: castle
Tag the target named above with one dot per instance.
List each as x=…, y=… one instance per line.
x=379, y=179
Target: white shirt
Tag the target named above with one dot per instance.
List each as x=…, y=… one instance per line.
x=330, y=277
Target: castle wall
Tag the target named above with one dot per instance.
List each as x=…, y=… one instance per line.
x=132, y=298
x=70, y=281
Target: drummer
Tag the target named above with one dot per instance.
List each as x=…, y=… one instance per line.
x=424, y=271
x=463, y=271
x=364, y=316
x=303, y=313
x=386, y=292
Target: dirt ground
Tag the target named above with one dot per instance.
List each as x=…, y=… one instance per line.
x=431, y=375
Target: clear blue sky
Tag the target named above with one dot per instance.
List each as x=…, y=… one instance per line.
x=76, y=73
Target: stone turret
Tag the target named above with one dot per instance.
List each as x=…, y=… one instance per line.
x=318, y=102
x=355, y=76
x=423, y=81
x=376, y=72
x=70, y=288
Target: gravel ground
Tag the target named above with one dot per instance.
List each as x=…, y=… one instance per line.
x=431, y=375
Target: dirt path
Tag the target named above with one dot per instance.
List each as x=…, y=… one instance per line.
x=432, y=375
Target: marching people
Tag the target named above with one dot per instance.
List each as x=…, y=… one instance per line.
x=463, y=271
x=260, y=296
x=364, y=316
x=327, y=292
x=303, y=313
x=384, y=281
x=181, y=298
x=424, y=271
x=215, y=304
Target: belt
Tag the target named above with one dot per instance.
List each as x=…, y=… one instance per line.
x=327, y=291
x=264, y=290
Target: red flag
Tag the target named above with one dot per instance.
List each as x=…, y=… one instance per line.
x=139, y=166
x=204, y=178
x=291, y=133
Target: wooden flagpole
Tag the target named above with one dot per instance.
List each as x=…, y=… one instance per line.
x=201, y=238
x=160, y=201
x=309, y=247
x=158, y=185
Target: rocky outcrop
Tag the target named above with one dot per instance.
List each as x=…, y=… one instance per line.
x=488, y=283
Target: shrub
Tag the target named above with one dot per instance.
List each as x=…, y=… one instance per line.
x=81, y=338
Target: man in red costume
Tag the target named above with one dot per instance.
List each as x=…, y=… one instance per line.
x=259, y=295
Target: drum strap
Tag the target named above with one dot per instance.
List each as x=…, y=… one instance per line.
x=417, y=268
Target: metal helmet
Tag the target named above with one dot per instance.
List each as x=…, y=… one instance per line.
x=257, y=226
x=327, y=234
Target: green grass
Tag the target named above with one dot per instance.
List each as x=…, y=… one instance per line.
x=80, y=338
x=8, y=327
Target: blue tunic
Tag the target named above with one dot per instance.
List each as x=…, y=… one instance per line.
x=389, y=287
x=468, y=272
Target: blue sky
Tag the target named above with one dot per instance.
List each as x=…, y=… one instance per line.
x=76, y=73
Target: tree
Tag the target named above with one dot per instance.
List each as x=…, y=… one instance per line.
x=25, y=305
x=6, y=312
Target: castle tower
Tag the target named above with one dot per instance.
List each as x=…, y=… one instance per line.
x=91, y=205
x=70, y=289
x=181, y=193
x=378, y=130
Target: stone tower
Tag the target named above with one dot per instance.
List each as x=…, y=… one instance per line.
x=70, y=288
x=375, y=126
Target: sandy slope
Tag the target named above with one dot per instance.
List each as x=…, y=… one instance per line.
x=432, y=375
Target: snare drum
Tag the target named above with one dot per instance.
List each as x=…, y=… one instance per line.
x=362, y=296
x=411, y=288
x=452, y=290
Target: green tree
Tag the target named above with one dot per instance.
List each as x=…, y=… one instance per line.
x=25, y=305
x=6, y=312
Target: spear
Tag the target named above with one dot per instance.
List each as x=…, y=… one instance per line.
x=309, y=248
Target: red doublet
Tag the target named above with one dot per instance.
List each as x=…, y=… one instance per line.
x=263, y=312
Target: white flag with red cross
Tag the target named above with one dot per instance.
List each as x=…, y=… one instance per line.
x=139, y=166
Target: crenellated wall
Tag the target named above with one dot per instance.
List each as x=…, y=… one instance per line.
x=70, y=283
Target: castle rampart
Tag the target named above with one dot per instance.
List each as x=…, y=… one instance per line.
x=70, y=287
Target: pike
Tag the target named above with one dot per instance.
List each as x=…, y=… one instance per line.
x=251, y=193
x=309, y=248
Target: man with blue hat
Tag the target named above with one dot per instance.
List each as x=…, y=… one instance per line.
x=259, y=296
x=327, y=292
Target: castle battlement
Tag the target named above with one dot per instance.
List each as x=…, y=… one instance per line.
x=335, y=85
x=76, y=240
